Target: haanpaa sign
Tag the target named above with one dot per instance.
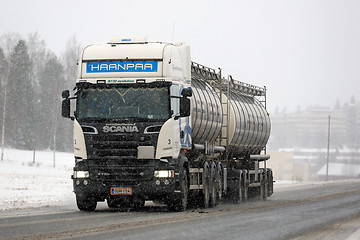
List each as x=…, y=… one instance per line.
x=109, y=67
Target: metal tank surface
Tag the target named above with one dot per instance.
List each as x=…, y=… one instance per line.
x=249, y=127
x=246, y=128
x=207, y=114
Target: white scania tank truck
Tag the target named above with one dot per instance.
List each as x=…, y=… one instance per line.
x=150, y=124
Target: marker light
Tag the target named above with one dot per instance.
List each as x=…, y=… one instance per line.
x=164, y=173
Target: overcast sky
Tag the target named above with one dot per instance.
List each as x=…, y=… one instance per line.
x=306, y=52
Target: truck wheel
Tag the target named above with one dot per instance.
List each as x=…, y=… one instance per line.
x=239, y=189
x=271, y=184
x=219, y=184
x=213, y=186
x=86, y=203
x=206, y=185
x=245, y=187
x=263, y=188
x=179, y=203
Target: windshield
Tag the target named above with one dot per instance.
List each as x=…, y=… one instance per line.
x=123, y=103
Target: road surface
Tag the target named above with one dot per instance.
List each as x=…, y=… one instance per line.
x=315, y=211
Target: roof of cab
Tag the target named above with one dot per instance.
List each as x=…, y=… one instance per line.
x=117, y=51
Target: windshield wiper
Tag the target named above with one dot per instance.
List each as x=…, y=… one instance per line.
x=144, y=119
x=97, y=119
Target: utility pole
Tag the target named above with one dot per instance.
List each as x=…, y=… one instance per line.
x=328, y=151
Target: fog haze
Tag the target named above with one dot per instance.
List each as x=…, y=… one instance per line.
x=305, y=52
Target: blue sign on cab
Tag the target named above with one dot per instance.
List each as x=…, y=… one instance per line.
x=115, y=67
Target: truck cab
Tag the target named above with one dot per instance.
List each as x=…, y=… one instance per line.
x=131, y=121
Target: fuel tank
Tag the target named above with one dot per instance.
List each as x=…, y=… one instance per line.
x=240, y=122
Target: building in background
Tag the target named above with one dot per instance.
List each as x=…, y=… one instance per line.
x=304, y=134
x=286, y=168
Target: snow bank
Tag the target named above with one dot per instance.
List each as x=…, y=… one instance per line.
x=25, y=183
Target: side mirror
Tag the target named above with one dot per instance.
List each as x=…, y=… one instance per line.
x=184, y=107
x=65, y=94
x=186, y=92
x=65, y=110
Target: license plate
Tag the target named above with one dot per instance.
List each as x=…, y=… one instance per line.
x=121, y=191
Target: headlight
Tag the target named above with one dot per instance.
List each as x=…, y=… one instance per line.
x=164, y=173
x=81, y=174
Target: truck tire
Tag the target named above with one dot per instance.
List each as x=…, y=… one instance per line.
x=179, y=202
x=271, y=183
x=86, y=203
x=234, y=194
x=219, y=183
x=239, y=190
x=264, y=186
x=206, y=184
x=245, y=186
x=213, y=185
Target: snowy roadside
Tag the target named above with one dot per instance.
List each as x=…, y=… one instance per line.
x=281, y=186
x=25, y=184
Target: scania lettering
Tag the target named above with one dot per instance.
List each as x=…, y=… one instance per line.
x=120, y=129
x=150, y=124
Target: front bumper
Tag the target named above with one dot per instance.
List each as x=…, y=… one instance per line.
x=157, y=188
x=148, y=189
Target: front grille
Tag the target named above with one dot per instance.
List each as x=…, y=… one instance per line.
x=115, y=172
x=116, y=146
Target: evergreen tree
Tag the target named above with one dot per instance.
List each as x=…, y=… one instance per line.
x=20, y=117
x=51, y=79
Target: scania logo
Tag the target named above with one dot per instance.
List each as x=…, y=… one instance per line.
x=128, y=128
